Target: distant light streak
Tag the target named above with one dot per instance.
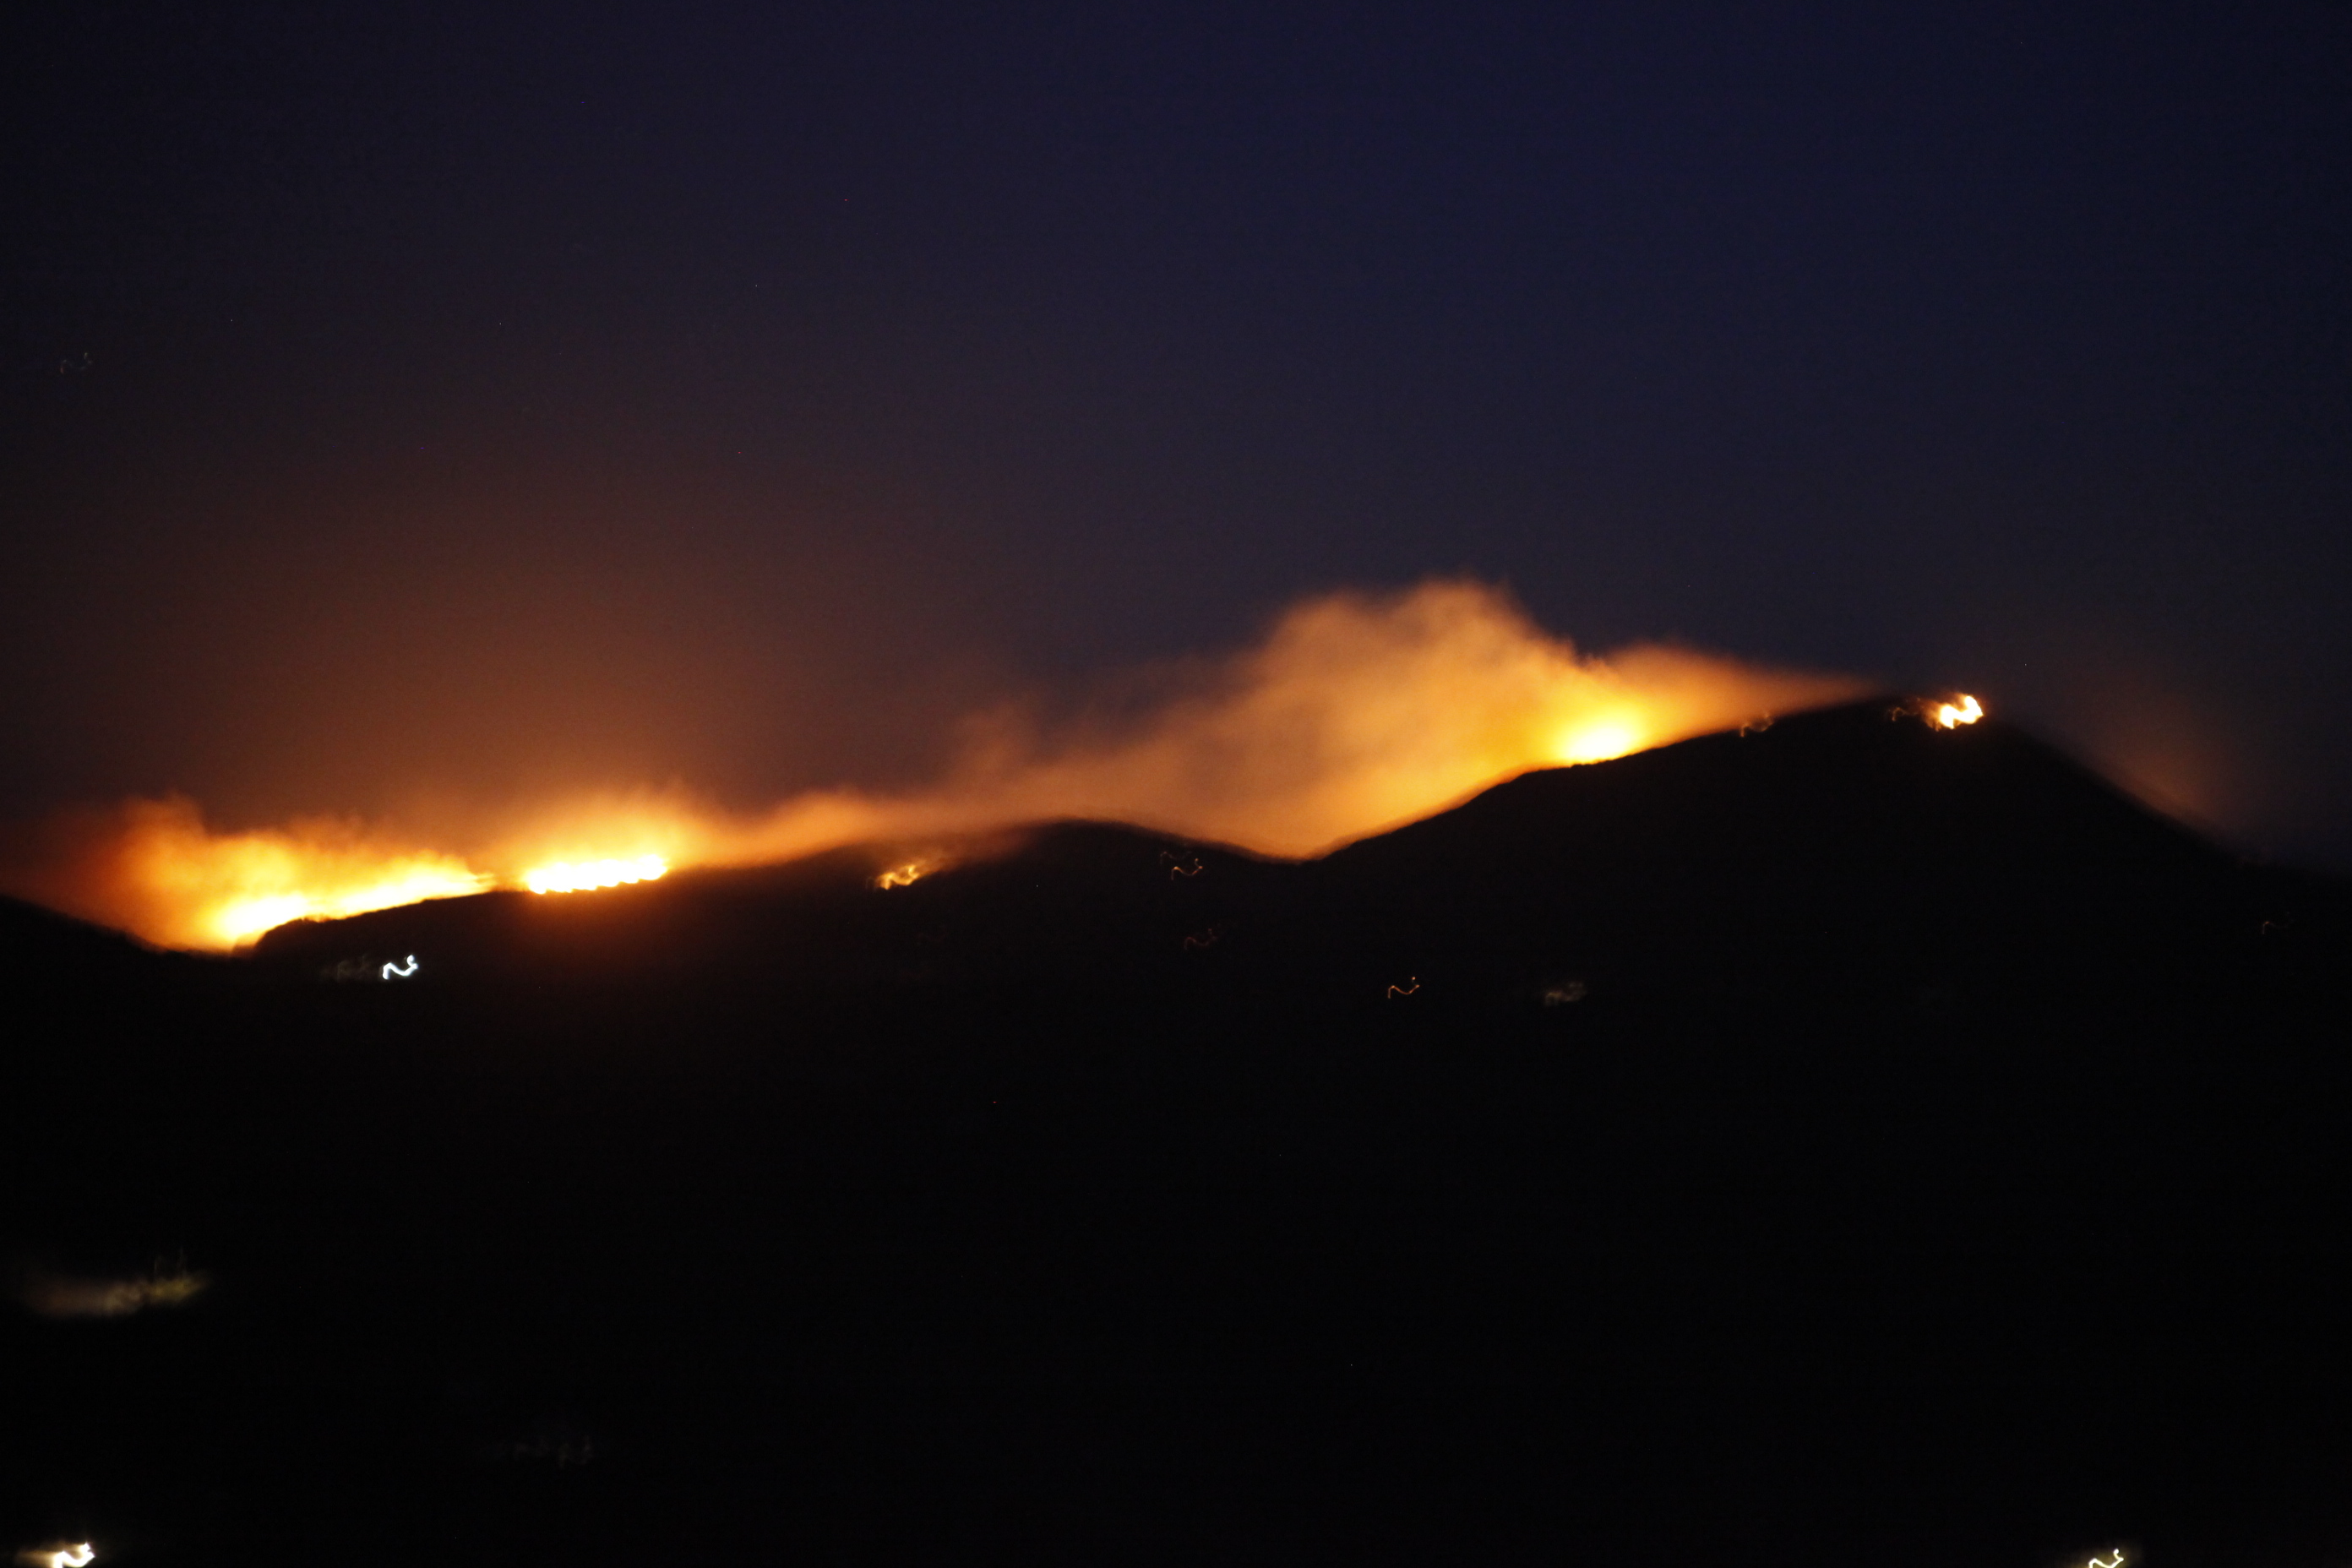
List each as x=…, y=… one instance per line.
x=393, y=970
x=1406, y=990
x=904, y=875
x=2118, y=1560
x=585, y=875
x=76, y=1554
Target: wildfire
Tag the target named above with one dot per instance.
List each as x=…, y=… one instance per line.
x=566, y=877
x=1952, y=715
x=1356, y=713
x=240, y=919
x=153, y=867
x=1598, y=740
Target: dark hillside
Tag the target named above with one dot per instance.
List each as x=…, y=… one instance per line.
x=1846, y=1143
x=1859, y=831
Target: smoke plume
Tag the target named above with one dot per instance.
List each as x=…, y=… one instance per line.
x=1356, y=713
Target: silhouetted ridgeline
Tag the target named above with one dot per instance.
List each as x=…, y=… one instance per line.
x=1843, y=1142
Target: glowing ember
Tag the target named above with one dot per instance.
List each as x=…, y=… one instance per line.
x=74, y=1554
x=394, y=971
x=904, y=875
x=568, y=877
x=1952, y=715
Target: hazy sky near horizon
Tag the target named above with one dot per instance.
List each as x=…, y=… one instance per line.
x=459, y=403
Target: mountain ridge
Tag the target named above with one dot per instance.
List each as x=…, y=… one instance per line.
x=1691, y=1158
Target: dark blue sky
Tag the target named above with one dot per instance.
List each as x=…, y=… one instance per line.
x=517, y=397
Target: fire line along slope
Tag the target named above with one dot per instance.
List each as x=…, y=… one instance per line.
x=1848, y=1140
x=1825, y=837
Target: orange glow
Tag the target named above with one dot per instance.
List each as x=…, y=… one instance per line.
x=1598, y=740
x=1966, y=710
x=569, y=877
x=154, y=867
x=1355, y=713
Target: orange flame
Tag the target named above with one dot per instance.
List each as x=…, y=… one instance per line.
x=1952, y=715
x=154, y=867
x=565, y=876
x=1357, y=712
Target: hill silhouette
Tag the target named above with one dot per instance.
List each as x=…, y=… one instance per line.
x=1841, y=1142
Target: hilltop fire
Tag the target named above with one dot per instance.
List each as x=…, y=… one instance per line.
x=1355, y=713
x=1965, y=709
x=155, y=868
x=565, y=877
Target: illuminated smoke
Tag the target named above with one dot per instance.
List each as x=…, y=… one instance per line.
x=151, y=866
x=1358, y=712
x=62, y=1295
x=1355, y=713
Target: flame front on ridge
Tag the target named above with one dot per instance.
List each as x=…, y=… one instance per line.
x=1964, y=710
x=1352, y=714
x=568, y=877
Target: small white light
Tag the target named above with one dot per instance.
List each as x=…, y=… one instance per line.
x=76, y=1554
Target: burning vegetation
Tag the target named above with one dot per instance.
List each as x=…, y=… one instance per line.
x=1961, y=709
x=565, y=876
x=154, y=867
x=1355, y=713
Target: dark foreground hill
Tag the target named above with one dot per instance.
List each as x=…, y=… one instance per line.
x=1846, y=1143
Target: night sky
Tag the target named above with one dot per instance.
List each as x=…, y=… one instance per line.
x=472, y=404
